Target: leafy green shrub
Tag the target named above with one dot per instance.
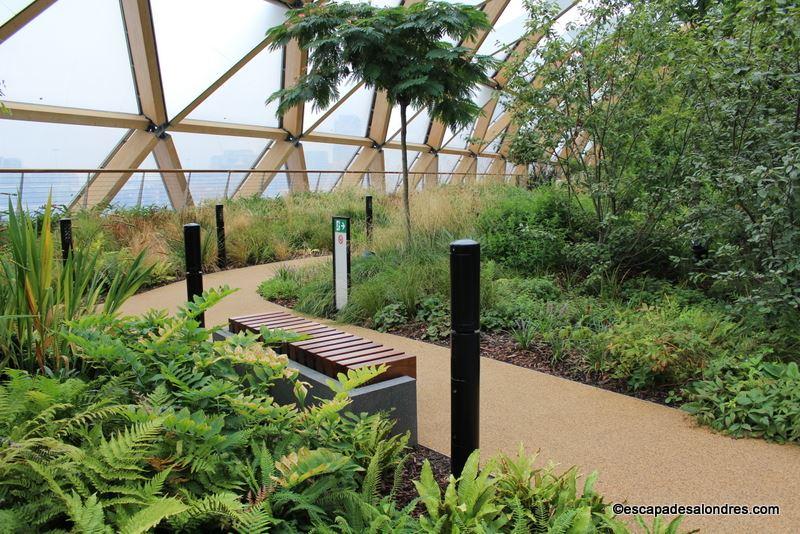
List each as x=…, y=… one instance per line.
x=39, y=292
x=180, y=431
x=435, y=314
x=511, y=494
x=389, y=317
x=538, y=288
x=524, y=334
x=665, y=344
x=285, y=285
x=749, y=397
x=528, y=231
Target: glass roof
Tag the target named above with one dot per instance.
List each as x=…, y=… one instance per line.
x=73, y=54
x=198, y=40
x=73, y=64
x=242, y=98
x=9, y=8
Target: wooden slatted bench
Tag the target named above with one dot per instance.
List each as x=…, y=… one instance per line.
x=328, y=350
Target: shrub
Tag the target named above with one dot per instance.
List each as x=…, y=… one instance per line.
x=285, y=285
x=667, y=344
x=179, y=431
x=435, y=315
x=389, y=317
x=749, y=397
x=539, y=288
x=528, y=231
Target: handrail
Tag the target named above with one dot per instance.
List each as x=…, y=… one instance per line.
x=257, y=171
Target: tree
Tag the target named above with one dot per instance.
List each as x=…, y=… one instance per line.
x=398, y=50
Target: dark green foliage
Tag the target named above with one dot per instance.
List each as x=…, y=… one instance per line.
x=673, y=132
x=528, y=232
x=749, y=397
x=184, y=433
x=398, y=50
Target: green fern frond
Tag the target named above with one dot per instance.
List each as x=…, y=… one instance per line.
x=127, y=448
x=150, y=516
x=88, y=516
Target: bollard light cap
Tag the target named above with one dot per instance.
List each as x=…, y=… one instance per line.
x=462, y=244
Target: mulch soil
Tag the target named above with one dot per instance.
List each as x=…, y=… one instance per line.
x=440, y=465
x=500, y=346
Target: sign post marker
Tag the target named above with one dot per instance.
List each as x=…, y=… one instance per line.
x=341, y=261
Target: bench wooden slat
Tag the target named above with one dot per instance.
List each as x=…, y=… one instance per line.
x=328, y=350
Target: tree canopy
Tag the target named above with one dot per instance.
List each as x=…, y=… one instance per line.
x=405, y=51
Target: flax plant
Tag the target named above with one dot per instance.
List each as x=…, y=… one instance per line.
x=39, y=292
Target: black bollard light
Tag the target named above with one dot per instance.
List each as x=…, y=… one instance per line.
x=465, y=279
x=368, y=202
x=194, y=265
x=65, y=225
x=222, y=256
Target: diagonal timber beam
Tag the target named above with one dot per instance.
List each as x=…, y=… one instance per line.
x=468, y=165
x=21, y=19
x=142, y=43
x=359, y=166
x=298, y=181
x=166, y=157
x=257, y=181
x=420, y=168
x=294, y=66
x=129, y=154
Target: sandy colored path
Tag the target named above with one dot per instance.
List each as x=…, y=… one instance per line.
x=646, y=453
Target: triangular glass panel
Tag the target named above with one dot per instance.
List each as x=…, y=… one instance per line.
x=418, y=123
x=326, y=157
x=234, y=156
x=199, y=40
x=447, y=164
x=348, y=119
x=39, y=145
x=143, y=189
x=73, y=54
x=10, y=8
x=458, y=139
x=393, y=164
x=483, y=165
x=242, y=99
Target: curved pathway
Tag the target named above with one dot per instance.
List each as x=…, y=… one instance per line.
x=646, y=453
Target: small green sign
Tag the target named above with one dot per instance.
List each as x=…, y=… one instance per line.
x=340, y=225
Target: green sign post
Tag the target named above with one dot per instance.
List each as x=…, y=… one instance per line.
x=341, y=260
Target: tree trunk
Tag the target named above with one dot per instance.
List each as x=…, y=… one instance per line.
x=404, y=151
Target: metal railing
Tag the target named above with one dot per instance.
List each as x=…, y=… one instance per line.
x=146, y=187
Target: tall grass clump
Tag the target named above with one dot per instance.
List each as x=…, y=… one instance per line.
x=38, y=292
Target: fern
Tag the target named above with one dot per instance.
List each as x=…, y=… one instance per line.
x=87, y=515
x=153, y=514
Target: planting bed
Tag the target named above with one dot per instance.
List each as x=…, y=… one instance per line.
x=500, y=346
